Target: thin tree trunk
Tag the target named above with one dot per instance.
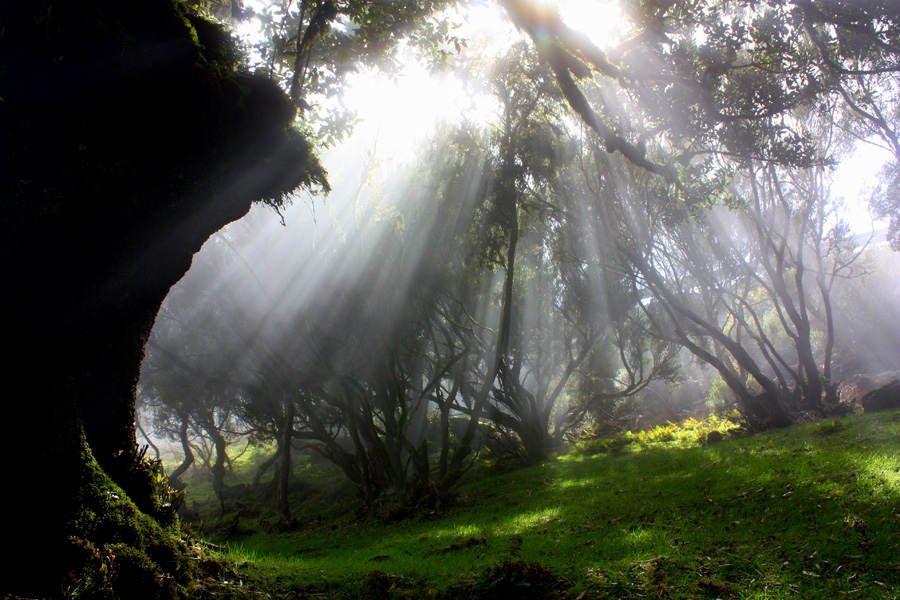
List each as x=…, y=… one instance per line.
x=218, y=470
x=150, y=443
x=285, y=465
x=465, y=445
x=175, y=481
x=445, y=431
x=263, y=467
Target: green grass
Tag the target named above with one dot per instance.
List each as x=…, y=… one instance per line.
x=811, y=512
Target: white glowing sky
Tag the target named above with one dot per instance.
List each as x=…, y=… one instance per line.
x=398, y=114
x=854, y=179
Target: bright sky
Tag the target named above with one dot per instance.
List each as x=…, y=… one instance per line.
x=397, y=115
x=596, y=18
x=854, y=180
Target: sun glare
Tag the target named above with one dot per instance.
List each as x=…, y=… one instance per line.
x=854, y=180
x=397, y=114
x=597, y=19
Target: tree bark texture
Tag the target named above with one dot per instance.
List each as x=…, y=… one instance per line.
x=123, y=149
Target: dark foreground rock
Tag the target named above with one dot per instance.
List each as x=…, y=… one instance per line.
x=884, y=398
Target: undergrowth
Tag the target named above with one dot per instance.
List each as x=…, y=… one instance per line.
x=684, y=434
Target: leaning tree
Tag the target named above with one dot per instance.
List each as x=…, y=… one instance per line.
x=129, y=136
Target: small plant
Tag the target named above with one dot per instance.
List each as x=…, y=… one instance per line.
x=95, y=577
x=513, y=579
x=684, y=434
x=167, y=499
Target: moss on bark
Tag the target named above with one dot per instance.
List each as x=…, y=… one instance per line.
x=127, y=137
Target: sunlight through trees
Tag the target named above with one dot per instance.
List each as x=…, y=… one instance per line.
x=481, y=234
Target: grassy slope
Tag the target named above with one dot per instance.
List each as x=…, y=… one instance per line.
x=812, y=512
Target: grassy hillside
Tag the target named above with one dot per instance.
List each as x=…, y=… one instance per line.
x=811, y=512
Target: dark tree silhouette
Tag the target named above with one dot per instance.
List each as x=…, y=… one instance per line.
x=125, y=144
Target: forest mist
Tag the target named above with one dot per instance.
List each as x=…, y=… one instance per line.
x=396, y=291
x=342, y=275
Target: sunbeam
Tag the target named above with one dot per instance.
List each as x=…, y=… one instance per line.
x=568, y=298
x=491, y=273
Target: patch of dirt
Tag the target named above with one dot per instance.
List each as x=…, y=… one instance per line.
x=511, y=580
x=469, y=543
x=379, y=585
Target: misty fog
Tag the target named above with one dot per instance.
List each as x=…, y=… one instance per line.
x=388, y=313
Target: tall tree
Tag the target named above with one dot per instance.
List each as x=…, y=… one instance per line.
x=701, y=77
x=109, y=188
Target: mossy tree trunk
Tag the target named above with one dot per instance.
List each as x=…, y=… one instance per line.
x=124, y=147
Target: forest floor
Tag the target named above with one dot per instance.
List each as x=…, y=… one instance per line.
x=806, y=512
